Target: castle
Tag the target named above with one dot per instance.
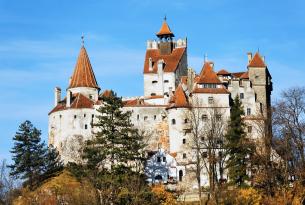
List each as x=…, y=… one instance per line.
x=170, y=89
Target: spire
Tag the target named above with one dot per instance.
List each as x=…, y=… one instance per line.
x=165, y=30
x=83, y=75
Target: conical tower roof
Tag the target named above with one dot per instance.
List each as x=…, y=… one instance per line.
x=257, y=61
x=83, y=75
x=165, y=30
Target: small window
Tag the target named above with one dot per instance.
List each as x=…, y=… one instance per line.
x=204, y=117
x=184, y=155
x=155, y=117
x=261, y=107
x=153, y=94
x=92, y=116
x=154, y=81
x=60, y=116
x=165, y=81
x=187, y=131
x=183, y=141
x=210, y=99
x=204, y=154
x=173, y=121
x=86, y=127
x=74, y=116
x=166, y=94
x=84, y=115
x=218, y=117
x=145, y=118
x=241, y=95
x=164, y=159
x=249, y=129
x=202, y=138
x=248, y=111
x=158, y=159
x=185, y=121
x=91, y=96
x=138, y=117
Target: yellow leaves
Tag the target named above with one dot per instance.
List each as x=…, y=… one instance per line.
x=249, y=196
x=166, y=197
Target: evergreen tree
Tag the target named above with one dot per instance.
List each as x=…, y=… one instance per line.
x=238, y=146
x=52, y=163
x=117, y=143
x=28, y=152
x=33, y=162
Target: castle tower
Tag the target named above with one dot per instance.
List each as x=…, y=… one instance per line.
x=165, y=63
x=70, y=121
x=261, y=82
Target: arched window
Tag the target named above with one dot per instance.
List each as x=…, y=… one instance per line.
x=180, y=175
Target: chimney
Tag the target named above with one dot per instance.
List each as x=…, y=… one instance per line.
x=69, y=96
x=212, y=64
x=150, y=64
x=249, y=56
x=57, y=95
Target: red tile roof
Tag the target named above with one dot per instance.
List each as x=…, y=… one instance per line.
x=211, y=90
x=106, y=93
x=223, y=72
x=139, y=103
x=245, y=75
x=165, y=30
x=179, y=99
x=171, y=61
x=238, y=74
x=207, y=75
x=257, y=61
x=83, y=75
x=78, y=101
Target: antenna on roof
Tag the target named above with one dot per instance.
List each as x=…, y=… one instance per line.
x=165, y=17
x=83, y=41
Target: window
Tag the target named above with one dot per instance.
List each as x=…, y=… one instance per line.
x=204, y=117
x=180, y=175
x=249, y=129
x=202, y=138
x=138, y=117
x=183, y=141
x=153, y=94
x=164, y=159
x=184, y=156
x=92, y=116
x=261, y=107
x=84, y=115
x=204, y=154
x=248, y=111
x=60, y=116
x=241, y=95
x=90, y=96
x=185, y=120
x=158, y=159
x=218, y=117
x=186, y=131
x=155, y=117
x=86, y=127
x=210, y=99
x=154, y=81
x=74, y=116
x=166, y=93
x=173, y=121
x=165, y=81
x=145, y=118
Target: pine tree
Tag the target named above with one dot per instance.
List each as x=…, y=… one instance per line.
x=238, y=146
x=52, y=163
x=33, y=162
x=117, y=143
x=28, y=152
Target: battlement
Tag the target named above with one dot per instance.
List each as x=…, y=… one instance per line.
x=180, y=43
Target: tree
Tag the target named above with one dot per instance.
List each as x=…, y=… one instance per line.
x=113, y=157
x=239, y=148
x=207, y=128
x=6, y=184
x=117, y=143
x=33, y=162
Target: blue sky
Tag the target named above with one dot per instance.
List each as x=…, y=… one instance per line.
x=40, y=41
